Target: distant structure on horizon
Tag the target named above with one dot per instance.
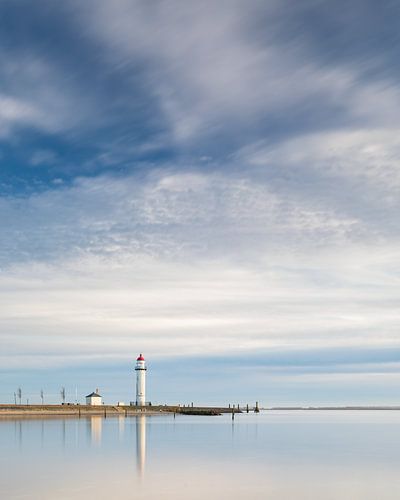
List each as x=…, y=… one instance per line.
x=94, y=399
x=140, y=369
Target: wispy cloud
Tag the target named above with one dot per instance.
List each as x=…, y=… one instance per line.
x=214, y=69
x=187, y=262
x=166, y=213
x=39, y=95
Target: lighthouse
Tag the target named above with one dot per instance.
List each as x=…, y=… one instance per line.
x=140, y=369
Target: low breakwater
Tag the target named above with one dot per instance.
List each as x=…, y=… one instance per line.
x=79, y=410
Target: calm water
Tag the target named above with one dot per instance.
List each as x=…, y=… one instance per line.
x=275, y=455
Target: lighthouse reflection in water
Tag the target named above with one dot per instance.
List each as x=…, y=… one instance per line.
x=95, y=423
x=141, y=444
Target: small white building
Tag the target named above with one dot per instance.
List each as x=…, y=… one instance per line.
x=94, y=399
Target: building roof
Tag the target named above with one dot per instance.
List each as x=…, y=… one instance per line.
x=140, y=358
x=94, y=395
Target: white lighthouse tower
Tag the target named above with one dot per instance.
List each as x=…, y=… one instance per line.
x=140, y=369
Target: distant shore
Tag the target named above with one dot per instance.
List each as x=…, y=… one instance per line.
x=344, y=408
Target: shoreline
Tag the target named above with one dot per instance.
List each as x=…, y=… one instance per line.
x=78, y=410
x=73, y=410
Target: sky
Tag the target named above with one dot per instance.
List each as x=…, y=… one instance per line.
x=214, y=184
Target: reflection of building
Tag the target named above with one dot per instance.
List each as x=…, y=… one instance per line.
x=140, y=369
x=93, y=399
x=140, y=443
x=121, y=426
x=96, y=424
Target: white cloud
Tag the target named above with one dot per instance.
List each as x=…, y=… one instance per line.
x=14, y=112
x=369, y=155
x=171, y=214
x=186, y=264
x=41, y=95
x=353, y=173
x=93, y=308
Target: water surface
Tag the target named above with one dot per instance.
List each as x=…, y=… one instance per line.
x=303, y=455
